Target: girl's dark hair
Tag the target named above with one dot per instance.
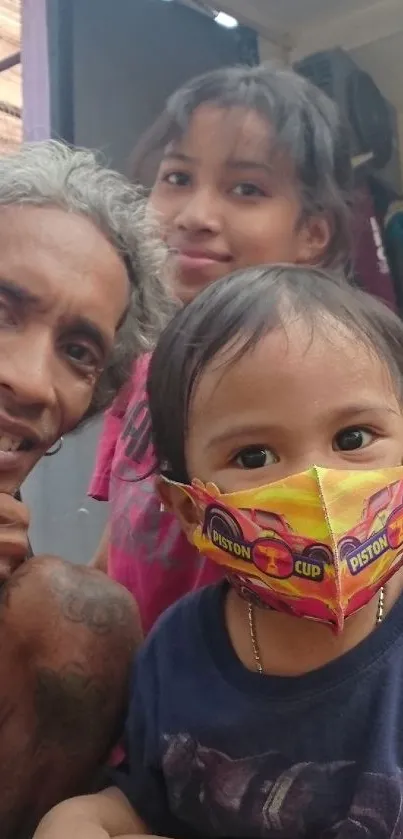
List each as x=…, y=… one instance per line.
x=307, y=127
x=234, y=314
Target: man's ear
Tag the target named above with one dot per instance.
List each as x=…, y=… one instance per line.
x=177, y=501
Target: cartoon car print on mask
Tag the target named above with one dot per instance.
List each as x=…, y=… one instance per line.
x=380, y=528
x=270, y=552
x=289, y=560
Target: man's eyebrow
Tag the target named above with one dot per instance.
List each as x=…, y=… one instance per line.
x=20, y=294
x=77, y=324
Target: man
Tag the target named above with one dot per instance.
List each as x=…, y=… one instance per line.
x=80, y=298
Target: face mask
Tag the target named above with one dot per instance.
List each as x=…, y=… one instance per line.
x=317, y=545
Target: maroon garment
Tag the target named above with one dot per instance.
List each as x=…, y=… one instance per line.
x=370, y=262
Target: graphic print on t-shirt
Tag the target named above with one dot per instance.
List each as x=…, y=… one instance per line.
x=148, y=553
x=134, y=488
x=134, y=495
x=137, y=433
x=266, y=795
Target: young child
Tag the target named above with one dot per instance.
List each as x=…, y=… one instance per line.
x=255, y=168
x=278, y=392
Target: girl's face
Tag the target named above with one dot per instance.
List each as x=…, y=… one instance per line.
x=226, y=200
x=294, y=401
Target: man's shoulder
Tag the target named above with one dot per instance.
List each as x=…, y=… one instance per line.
x=49, y=594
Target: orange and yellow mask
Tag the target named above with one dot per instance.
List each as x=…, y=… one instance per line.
x=317, y=545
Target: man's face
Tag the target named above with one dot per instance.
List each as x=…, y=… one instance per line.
x=63, y=291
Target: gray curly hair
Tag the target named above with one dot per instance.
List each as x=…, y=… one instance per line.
x=75, y=180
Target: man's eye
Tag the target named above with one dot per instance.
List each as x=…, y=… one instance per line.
x=176, y=178
x=248, y=190
x=255, y=457
x=82, y=355
x=7, y=316
x=351, y=439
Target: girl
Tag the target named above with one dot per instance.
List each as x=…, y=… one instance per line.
x=246, y=720
x=255, y=168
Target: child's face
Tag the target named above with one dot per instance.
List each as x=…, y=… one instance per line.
x=226, y=201
x=296, y=400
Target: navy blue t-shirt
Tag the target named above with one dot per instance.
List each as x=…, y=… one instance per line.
x=216, y=750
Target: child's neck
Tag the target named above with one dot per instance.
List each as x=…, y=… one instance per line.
x=290, y=646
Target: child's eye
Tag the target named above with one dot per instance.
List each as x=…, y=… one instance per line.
x=248, y=190
x=255, y=457
x=352, y=438
x=176, y=178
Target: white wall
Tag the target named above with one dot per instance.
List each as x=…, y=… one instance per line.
x=271, y=52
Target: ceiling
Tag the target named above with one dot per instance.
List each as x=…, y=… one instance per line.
x=288, y=14
x=372, y=30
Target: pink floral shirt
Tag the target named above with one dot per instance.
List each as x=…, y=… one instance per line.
x=148, y=552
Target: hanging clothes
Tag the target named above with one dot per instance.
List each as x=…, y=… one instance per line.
x=393, y=237
x=371, y=266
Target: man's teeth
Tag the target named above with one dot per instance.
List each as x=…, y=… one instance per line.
x=9, y=444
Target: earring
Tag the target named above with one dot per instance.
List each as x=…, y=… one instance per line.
x=56, y=449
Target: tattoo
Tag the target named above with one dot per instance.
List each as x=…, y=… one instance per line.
x=7, y=711
x=51, y=746
x=63, y=709
x=92, y=604
x=70, y=706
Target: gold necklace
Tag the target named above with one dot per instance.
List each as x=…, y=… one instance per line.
x=253, y=634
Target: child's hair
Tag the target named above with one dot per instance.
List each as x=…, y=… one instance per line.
x=307, y=127
x=233, y=314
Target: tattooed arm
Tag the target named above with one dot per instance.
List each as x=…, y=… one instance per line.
x=68, y=635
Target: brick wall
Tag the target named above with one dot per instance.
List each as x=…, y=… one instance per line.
x=10, y=80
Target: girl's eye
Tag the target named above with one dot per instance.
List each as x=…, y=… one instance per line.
x=248, y=190
x=351, y=439
x=176, y=178
x=255, y=457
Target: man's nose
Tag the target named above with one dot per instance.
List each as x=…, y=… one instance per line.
x=201, y=212
x=26, y=372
